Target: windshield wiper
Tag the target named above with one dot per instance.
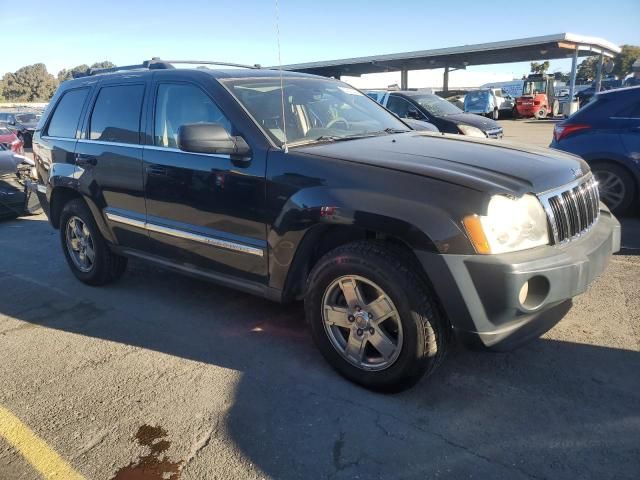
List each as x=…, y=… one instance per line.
x=395, y=130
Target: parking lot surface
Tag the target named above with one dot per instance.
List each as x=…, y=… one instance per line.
x=163, y=376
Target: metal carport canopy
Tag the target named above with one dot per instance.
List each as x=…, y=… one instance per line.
x=547, y=47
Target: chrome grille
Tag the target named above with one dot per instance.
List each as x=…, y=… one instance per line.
x=572, y=209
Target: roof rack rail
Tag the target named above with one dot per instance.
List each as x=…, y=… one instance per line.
x=209, y=62
x=154, y=64
x=157, y=64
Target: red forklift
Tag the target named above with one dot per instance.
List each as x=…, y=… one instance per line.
x=538, y=98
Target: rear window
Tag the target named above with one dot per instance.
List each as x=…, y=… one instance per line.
x=116, y=114
x=66, y=116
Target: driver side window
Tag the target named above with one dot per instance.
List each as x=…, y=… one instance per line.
x=181, y=104
x=399, y=106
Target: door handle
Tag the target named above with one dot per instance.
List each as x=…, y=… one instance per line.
x=84, y=159
x=157, y=170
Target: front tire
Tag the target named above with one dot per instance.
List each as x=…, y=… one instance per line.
x=85, y=249
x=496, y=114
x=373, y=317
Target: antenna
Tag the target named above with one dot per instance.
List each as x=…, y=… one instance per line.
x=284, y=119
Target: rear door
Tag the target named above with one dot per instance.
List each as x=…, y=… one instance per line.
x=109, y=158
x=56, y=142
x=203, y=210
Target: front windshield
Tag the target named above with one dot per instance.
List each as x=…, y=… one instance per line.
x=533, y=88
x=315, y=109
x=436, y=106
x=26, y=118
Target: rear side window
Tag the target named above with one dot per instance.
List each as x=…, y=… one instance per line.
x=116, y=114
x=66, y=116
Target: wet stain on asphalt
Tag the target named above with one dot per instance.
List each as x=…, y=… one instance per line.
x=151, y=466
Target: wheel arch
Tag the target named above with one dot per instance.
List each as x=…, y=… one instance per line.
x=61, y=195
x=324, y=237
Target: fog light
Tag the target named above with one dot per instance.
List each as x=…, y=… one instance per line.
x=534, y=292
x=524, y=291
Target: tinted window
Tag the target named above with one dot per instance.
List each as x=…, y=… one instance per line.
x=399, y=106
x=116, y=115
x=181, y=104
x=66, y=116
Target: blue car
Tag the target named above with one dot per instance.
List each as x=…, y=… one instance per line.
x=482, y=102
x=606, y=133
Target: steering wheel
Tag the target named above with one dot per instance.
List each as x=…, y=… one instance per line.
x=338, y=120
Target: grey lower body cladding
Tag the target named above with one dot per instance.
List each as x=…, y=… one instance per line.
x=500, y=301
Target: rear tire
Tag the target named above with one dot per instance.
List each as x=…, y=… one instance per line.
x=618, y=189
x=541, y=113
x=85, y=249
x=414, y=336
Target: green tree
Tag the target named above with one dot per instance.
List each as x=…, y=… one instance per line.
x=67, y=74
x=540, y=67
x=29, y=84
x=104, y=64
x=587, y=70
x=623, y=60
x=562, y=76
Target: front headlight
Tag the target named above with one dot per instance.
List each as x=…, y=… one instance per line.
x=511, y=224
x=471, y=131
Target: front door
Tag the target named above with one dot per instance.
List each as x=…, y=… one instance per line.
x=204, y=211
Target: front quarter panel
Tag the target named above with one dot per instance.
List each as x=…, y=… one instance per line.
x=306, y=194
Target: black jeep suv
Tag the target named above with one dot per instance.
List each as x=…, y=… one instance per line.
x=292, y=186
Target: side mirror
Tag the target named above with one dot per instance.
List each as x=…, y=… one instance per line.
x=414, y=113
x=11, y=122
x=210, y=138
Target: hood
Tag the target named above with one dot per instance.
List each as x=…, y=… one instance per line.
x=484, y=165
x=482, y=123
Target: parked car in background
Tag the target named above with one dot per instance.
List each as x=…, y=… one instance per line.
x=22, y=124
x=606, y=133
x=457, y=100
x=10, y=141
x=16, y=185
x=482, y=102
x=443, y=114
x=489, y=102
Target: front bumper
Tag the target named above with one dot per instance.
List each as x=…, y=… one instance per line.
x=481, y=293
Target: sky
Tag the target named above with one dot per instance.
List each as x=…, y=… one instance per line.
x=65, y=33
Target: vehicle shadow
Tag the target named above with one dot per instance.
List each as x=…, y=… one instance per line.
x=551, y=409
x=630, y=235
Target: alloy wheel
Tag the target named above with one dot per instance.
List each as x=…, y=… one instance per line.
x=80, y=244
x=362, y=323
x=611, y=187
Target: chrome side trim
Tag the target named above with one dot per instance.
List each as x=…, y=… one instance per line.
x=110, y=144
x=194, y=237
x=126, y=220
x=45, y=137
x=216, y=242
